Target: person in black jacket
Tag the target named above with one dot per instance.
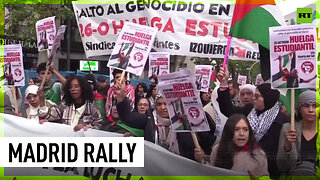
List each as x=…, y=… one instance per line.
x=264, y=115
x=154, y=131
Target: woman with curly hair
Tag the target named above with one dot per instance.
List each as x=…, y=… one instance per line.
x=77, y=108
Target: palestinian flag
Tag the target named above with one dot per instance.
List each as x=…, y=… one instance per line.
x=213, y=79
x=252, y=19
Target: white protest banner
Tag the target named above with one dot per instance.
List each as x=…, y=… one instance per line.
x=13, y=70
x=203, y=75
x=46, y=31
x=242, y=80
x=187, y=28
x=56, y=44
x=159, y=63
x=183, y=101
x=157, y=160
x=132, y=48
x=293, y=56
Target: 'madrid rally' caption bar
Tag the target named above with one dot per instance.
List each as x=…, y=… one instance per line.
x=76, y=151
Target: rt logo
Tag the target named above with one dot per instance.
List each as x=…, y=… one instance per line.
x=304, y=15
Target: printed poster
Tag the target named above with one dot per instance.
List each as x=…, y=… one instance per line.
x=46, y=31
x=159, y=63
x=186, y=28
x=242, y=80
x=183, y=102
x=132, y=48
x=293, y=56
x=13, y=71
x=203, y=75
x=56, y=44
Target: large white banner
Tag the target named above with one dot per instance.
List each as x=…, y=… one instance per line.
x=158, y=161
x=13, y=70
x=189, y=28
x=293, y=56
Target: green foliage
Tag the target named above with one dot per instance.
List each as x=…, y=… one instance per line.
x=21, y=20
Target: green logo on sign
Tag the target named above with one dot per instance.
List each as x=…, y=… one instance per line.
x=304, y=15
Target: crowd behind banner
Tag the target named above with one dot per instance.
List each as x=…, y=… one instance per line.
x=245, y=128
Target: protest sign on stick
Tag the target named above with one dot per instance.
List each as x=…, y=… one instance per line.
x=13, y=65
x=203, y=75
x=132, y=48
x=183, y=102
x=46, y=31
x=293, y=58
x=159, y=63
x=55, y=46
x=242, y=80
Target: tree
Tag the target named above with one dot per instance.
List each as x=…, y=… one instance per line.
x=21, y=18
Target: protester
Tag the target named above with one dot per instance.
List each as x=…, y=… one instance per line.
x=264, y=115
x=100, y=95
x=98, y=99
x=237, y=149
x=143, y=105
x=33, y=103
x=91, y=81
x=297, y=148
x=141, y=90
x=34, y=81
x=205, y=97
x=151, y=95
x=158, y=131
x=5, y=104
x=12, y=92
x=78, y=108
x=130, y=93
x=234, y=92
x=246, y=93
x=53, y=90
x=102, y=86
x=114, y=124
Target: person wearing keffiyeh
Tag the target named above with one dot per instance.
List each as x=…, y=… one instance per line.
x=158, y=130
x=264, y=115
x=129, y=91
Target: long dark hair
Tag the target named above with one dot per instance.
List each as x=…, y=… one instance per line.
x=227, y=148
x=86, y=92
x=149, y=93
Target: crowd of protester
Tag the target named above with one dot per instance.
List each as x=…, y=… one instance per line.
x=248, y=130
